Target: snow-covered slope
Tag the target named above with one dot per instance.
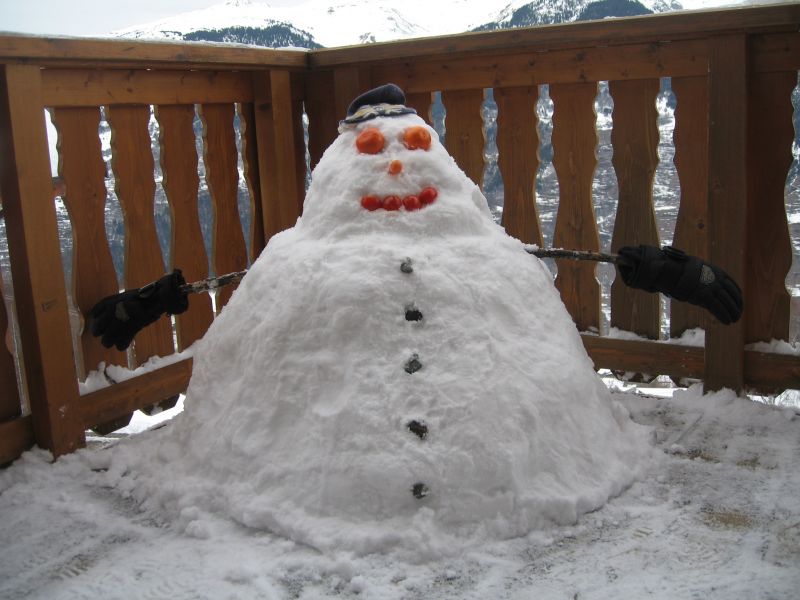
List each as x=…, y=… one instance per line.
x=343, y=22
x=331, y=23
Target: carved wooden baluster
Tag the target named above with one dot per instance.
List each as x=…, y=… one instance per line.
x=691, y=162
x=10, y=405
x=229, y=252
x=768, y=257
x=132, y=161
x=323, y=117
x=421, y=102
x=465, y=139
x=181, y=183
x=574, y=143
x=518, y=144
x=93, y=276
x=635, y=141
x=252, y=177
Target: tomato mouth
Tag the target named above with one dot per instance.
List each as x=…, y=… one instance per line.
x=426, y=197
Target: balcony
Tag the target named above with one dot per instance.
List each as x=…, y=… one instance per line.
x=731, y=72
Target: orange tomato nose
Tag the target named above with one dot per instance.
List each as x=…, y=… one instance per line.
x=395, y=167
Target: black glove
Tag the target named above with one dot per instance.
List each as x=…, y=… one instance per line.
x=120, y=317
x=683, y=277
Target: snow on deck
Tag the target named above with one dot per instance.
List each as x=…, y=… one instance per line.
x=719, y=517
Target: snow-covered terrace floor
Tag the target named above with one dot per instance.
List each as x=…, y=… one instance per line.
x=717, y=517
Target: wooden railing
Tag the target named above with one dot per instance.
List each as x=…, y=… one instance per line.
x=732, y=72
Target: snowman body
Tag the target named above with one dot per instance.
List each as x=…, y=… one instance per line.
x=385, y=374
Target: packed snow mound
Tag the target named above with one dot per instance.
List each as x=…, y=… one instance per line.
x=403, y=378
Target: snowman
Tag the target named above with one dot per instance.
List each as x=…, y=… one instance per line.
x=395, y=370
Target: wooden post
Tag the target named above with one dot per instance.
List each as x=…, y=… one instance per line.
x=769, y=246
x=727, y=198
x=41, y=297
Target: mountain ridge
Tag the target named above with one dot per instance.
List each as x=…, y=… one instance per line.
x=326, y=23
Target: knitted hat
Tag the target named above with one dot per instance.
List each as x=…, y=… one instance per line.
x=384, y=101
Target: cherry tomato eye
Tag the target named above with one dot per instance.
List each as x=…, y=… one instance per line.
x=370, y=141
x=417, y=138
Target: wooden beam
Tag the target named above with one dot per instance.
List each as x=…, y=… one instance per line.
x=653, y=358
x=32, y=231
x=727, y=199
x=139, y=392
x=771, y=373
x=764, y=372
x=146, y=54
x=519, y=67
x=94, y=87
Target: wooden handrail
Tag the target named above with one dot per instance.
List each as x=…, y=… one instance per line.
x=662, y=27
x=126, y=53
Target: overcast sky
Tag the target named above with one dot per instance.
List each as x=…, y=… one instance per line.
x=87, y=17
x=90, y=17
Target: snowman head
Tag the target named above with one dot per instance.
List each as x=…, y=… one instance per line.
x=388, y=172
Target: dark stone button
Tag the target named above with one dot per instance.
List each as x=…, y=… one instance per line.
x=418, y=428
x=420, y=490
x=413, y=365
x=413, y=314
x=406, y=267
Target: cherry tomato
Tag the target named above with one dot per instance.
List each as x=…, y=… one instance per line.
x=371, y=202
x=392, y=203
x=428, y=195
x=417, y=138
x=412, y=203
x=370, y=141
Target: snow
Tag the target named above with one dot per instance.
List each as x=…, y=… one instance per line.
x=333, y=23
x=717, y=517
x=347, y=22
x=105, y=376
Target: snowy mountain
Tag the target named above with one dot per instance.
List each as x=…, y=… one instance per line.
x=344, y=23
x=548, y=12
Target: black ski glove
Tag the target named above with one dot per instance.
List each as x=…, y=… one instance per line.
x=120, y=317
x=683, y=277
